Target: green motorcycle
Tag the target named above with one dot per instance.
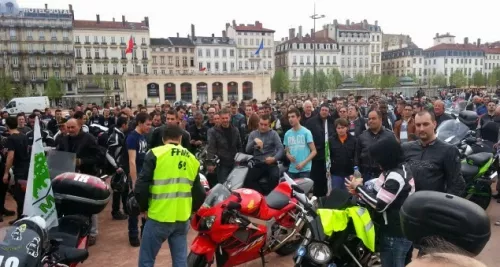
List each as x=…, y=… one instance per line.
x=479, y=164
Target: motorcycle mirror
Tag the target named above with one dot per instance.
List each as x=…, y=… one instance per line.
x=233, y=206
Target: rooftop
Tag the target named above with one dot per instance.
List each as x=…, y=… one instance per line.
x=213, y=40
x=444, y=35
x=171, y=41
x=351, y=27
x=460, y=47
x=111, y=25
x=257, y=27
x=308, y=39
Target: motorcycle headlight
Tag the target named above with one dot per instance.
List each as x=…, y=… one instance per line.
x=206, y=223
x=320, y=253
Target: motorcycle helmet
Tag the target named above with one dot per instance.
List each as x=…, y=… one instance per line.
x=36, y=224
x=132, y=205
x=119, y=182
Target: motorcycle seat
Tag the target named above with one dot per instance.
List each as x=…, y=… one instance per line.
x=479, y=159
x=66, y=239
x=70, y=255
x=468, y=171
x=277, y=200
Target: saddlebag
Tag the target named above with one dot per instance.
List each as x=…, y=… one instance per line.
x=77, y=193
x=458, y=221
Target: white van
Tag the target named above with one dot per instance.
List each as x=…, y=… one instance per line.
x=27, y=104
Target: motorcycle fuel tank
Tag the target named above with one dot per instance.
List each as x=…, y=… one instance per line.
x=250, y=201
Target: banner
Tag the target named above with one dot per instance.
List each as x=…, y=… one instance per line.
x=39, y=199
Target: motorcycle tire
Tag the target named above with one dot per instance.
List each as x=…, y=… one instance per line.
x=481, y=195
x=195, y=260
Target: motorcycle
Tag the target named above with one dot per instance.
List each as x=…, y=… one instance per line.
x=238, y=226
x=26, y=244
x=479, y=164
x=338, y=248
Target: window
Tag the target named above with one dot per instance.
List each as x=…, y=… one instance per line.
x=154, y=59
x=162, y=60
x=232, y=66
x=177, y=64
x=208, y=66
x=123, y=53
x=96, y=39
x=216, y=52
x=216, y=66
x=200, y=66
x=89, y=68
x=30, y=48
x=79, y=68
x=207, y=52
x=122, y=40
x=143, y=40
x=116, y=85
x=200, y=52
x=33, y=75
x=240, y=65
x=68, y=73
x=96, y=53
x=163, y=72
x=87, y=39
x=53, y=34
x=170, y=60
x=112, y=39
x=88, y=54
x=144, y=54
x=155, y=72
x=145, y=68
x=184, y=61
x=77, y=39
x=45, y=75
x=57, y=74
x=103, y=39
x=16, y=74
x=184, y=50
x=124, y=68
x=231, y=53
x=115, y=68
x=224, y=53
x=78, y=53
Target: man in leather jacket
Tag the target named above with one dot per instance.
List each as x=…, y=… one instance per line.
x=47, y=139
x=435, y=164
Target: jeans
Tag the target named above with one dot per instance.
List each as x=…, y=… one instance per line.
x=338, y=182
x=299, y=175
x=155, y=233
x=393, y=251
x=255, y=174
x=133, y=226
x=318, y=175
x=95, y=224
x=223, y=173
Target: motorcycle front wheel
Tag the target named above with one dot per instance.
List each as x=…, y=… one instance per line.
x=479, y=193
x=195, y=260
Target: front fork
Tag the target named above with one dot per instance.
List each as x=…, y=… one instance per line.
x=301, y=252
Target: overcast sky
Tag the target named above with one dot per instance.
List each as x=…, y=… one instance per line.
x=419, y=19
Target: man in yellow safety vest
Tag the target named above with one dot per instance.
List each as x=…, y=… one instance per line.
x=167, y=190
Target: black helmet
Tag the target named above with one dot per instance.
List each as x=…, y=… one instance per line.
x=119, y=182
x=132, y=205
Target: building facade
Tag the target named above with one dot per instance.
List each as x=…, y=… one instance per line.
x=360, y=45
x=296, y=55
x=202, y=87
x=173, y=56
x=36, y=44
x=248, y=38
x=491, y=59
x=448, y=56
x=100, y=56
x=395, y=41
x=215, y=54
x=402, y=62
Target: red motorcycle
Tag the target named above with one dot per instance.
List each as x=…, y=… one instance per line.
x=240, y=226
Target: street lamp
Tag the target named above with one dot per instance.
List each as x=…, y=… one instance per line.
x=315, y=17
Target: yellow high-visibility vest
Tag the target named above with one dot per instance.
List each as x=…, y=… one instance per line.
x=174, y=175
x=337, y=220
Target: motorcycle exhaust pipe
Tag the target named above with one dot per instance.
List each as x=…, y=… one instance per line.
x=299, y=224
x=494, y=175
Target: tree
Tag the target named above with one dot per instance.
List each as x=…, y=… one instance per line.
x=334, y=79
x=458, y=79
x=439, y=80
x=388, y=81
x=306, y=82
x=280, y=82
x=54, y=89
x=107, y=88
x=321, y=82
x=6, y=87
x=478, y=79
x=360, y=79
x=413, y=77
x=19, y=90
x=494, y=77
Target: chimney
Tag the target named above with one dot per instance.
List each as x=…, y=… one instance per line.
x=146, y=21
x=437, y=34
x=300, y=32
x=365, y=24
x=335, y=22
x=123, y=20
x=400, y=43
x=224, y=34
x=46, y=6
x=97, y=18
x=466, y=40
x=192, y=31
x=71, y=11
x=291, y=33
x=258, y=24
x=114, y=20
x=177, y=35
x=227, y=25
x=376, y=23
x=478, y=41
x=234, y=23
x=213, y=35
x=347, y=22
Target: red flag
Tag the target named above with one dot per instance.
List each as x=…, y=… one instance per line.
x=130, y=46
x=203, y=69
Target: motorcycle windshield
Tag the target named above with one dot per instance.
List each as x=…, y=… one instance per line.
x=20, y=246
x=452, y=131
x=60, y=162
x=218, y=194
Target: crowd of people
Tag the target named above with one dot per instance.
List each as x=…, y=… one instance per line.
x=390, y=139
